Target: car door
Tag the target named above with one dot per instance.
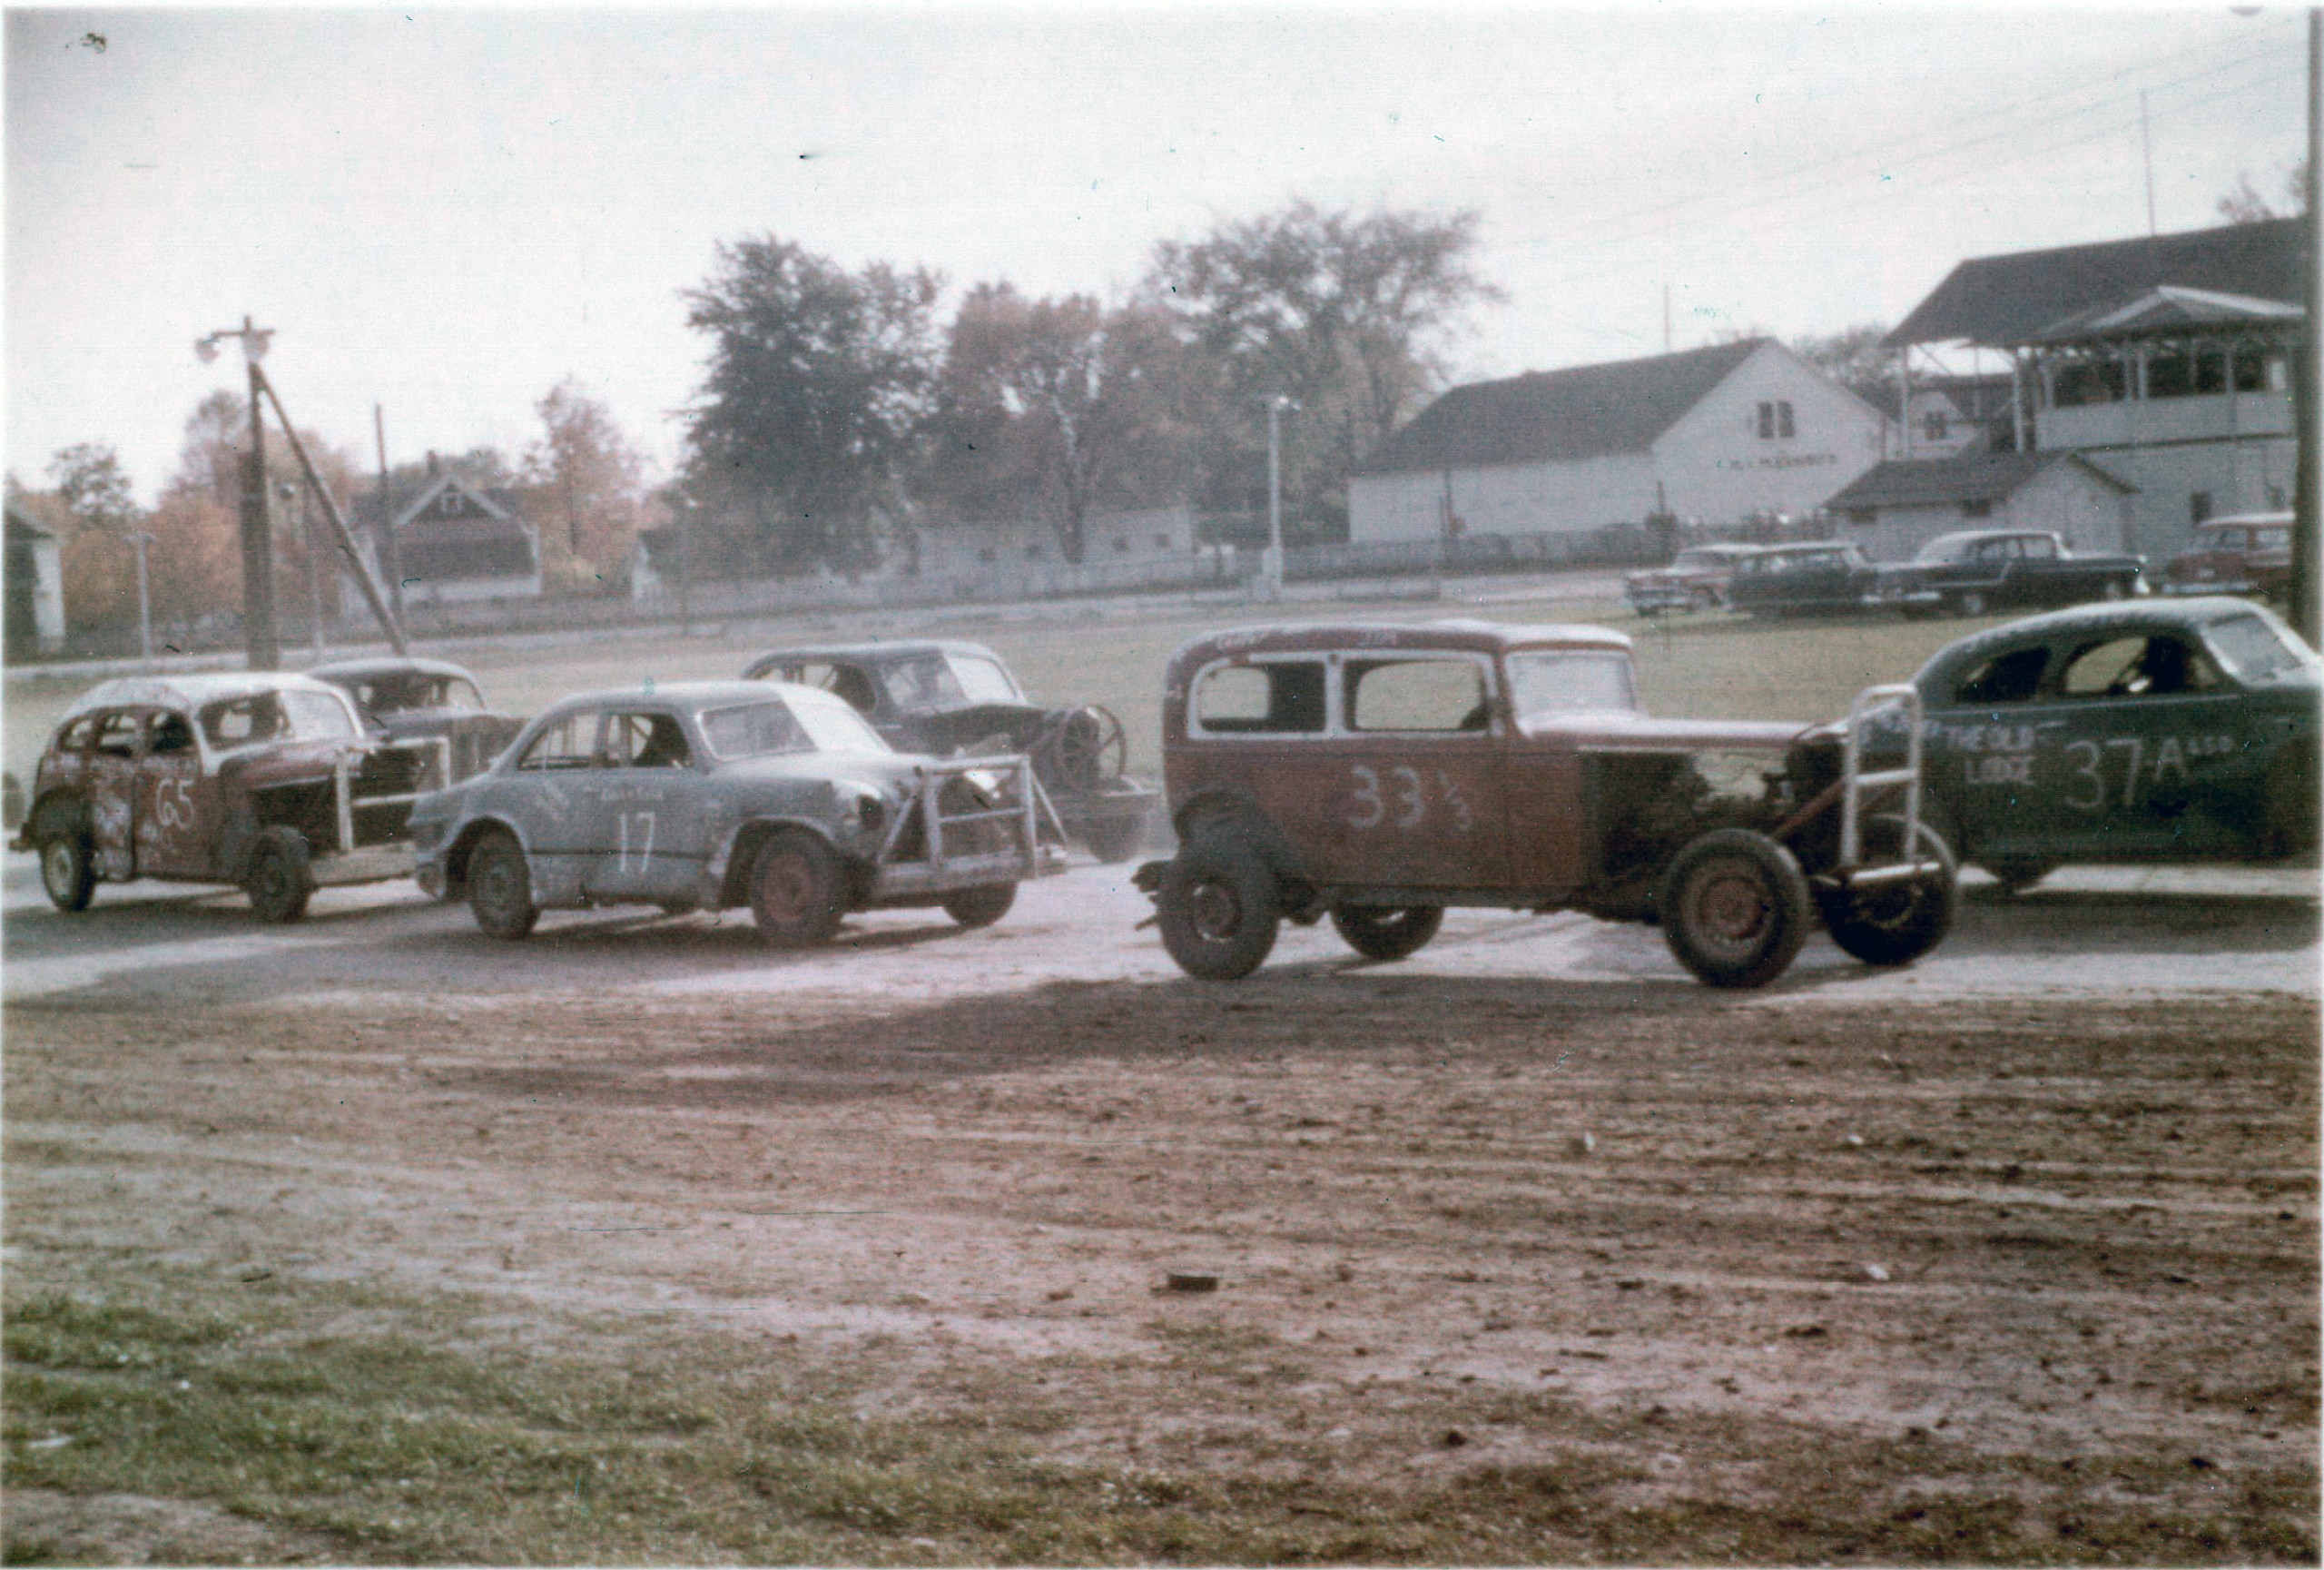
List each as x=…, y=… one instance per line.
x=177, y=809
x=114, y=758
x=647, y=831
x=1411, y=771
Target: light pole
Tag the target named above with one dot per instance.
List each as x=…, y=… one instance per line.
x=290, y=492
x=1272, y=568
x=141, y=539
x=258, y=555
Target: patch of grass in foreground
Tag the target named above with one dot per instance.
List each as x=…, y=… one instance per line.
x=462, y=1448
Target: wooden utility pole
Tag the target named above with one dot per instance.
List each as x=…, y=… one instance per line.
x=315, y=487
x=2308, y=397
x=258, y=542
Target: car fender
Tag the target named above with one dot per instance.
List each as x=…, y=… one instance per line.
x=729, y=864
x=1234, y=812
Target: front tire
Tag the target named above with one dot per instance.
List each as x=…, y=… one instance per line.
x=981, y=907
x=797, y=896
x=1219, y=910
x=1735, y=908
x=1388, y=934
x=500, y=888
x=281, y=878
x=68, y=870
x=1897, y=924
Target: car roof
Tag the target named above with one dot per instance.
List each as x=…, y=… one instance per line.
x=1475, y=636
x=682, y=695
x=868, y=653
x=194, y=690
x=2248, y=520
x=1960, y=534
x=367, y=669
x=2191, y=612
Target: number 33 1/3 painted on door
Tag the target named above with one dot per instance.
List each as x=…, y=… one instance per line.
x=1400, y=797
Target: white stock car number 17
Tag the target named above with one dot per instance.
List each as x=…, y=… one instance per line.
x=1402, y=797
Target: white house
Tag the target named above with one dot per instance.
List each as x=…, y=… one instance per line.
x=1712, y=435
x=1901, y=506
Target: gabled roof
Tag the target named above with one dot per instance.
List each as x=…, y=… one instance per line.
x=1557, y=416
x=1999, y=300
x=1945, y=481
x=21, y=527
x=2169, y=307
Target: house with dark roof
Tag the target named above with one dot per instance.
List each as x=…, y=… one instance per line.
x=2166, y=360
x=453, y=541
x=36, y=579
x=1902, y=505
x=1714, y=436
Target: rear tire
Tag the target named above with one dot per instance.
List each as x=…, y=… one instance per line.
x=500, y=888
x=1735, y=908
x=981, y=907
x=68, y=869
x=1897, y=924
x=280, y=879
x=1378, y=934
x=1219, y=910
x=797, y=897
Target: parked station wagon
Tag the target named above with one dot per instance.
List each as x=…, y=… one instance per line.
x=2247, y=554
x=257, y=779
x=710, y=795
x=1819, y=578
x=2162, y=730
x=1377, y=773
x=1974, y=571
x=952, y=698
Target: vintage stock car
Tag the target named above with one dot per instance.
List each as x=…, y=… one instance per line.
x=2247, y=553
x=952, y=698
x=408, y=699
x=1696, y=580
x=711, y=795
x=2160, y=730
x=1379, y=773
x=1974, y=571
x=256, y=779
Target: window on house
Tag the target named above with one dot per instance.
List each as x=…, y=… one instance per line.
x=1866, y=515
x=1936, y=427
x=1979, y=508
x=2199, y=506
x=1766, y=422
x=1783, y=425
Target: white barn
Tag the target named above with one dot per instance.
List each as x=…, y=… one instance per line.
x=1714, y=435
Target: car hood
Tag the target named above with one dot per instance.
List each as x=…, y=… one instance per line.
x=1642, y=733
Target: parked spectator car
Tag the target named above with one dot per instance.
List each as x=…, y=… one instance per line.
x=953, y=698
x=2161, y=730
x=1977, y=570
x=710, y=795
x=1379, y=773
x=1817, y=578
x=258, y=779
x=1696, y=580
x=406, y=699
x=2249, y=553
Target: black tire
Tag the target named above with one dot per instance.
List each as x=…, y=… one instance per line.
x=280, y=877
x=500, y=886
x=1897, y=924
x=1219, y=910
x=1379, y=934
x=1734, y=908
x=68, y=869
x=1115, y=840
x=981, y=907
x=797, y=895
x=2015, y=875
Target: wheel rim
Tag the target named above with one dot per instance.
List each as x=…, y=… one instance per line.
x=502, y=887
x=1730, y=907
x=1213, y=910
x=268, y=880
x=787, y=887
x=59, y=868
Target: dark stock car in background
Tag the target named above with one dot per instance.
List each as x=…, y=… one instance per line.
x=951, y=699
x=710, y=795
x=1379, y=772
x=2161, y=730
x=1696, y=580
x=257, y=779
x=408, y=699
x=1820, y=578
x=1974, y=571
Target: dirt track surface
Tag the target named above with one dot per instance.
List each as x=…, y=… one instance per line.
x=2059, y=1250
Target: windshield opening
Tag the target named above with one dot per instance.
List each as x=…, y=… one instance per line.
x=1571, y=683
x=286, y=715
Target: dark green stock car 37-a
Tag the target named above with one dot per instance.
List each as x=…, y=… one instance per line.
x=711, y=795
x=2156, y=730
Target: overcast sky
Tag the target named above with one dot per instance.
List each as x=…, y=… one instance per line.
x=448, y=213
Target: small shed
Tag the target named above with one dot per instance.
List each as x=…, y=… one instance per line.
x=1897, y=507
x=36, y=578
